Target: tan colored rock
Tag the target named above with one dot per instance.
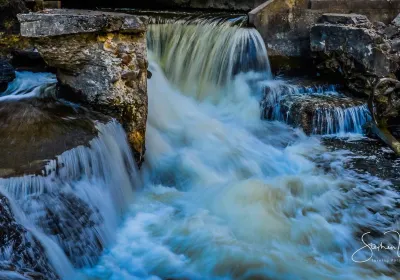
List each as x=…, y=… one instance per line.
x=102, y=57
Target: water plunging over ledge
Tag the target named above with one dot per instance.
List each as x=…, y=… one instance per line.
x=230, y=196
x=222, y=194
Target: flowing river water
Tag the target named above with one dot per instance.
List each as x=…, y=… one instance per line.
x=222, y=194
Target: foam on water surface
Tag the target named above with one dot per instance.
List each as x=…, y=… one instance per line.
x=229, y=196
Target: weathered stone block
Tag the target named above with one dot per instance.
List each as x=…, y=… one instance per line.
x=102, y=58
x=65, y=22
x=346, y=19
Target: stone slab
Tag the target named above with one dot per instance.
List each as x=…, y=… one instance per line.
x=58, y=22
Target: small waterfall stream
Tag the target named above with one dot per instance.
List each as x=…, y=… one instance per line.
x=74, y=207
x=222, y=194
x=328, y=111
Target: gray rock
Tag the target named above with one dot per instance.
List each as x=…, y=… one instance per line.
x=27, y=149
x=391, y=31
x=395, y=45
x=61, y=22
x=359, y=54
x=102, y=58
x=346, y=19
x=7, y=74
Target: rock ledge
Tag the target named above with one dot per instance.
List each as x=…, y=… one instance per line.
x=62, y=22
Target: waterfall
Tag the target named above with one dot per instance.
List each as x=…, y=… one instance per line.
x=222, y=194
x=228, y=195
x=323, y=107
x=86, y=189
x=202, y=55
x=340, y=120
x=73, y=208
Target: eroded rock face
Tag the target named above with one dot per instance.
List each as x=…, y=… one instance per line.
x=350, y=46
x=102, y=58
x=21, y=254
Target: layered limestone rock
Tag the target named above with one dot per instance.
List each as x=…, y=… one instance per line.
x=101, y=58
x=285, y=25
x=358, y=51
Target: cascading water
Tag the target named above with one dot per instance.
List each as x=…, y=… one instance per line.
x=339, y=120
x=179, y=47
x=27, y=85
x=74, y=207
x=328, y=111
x=229, y=196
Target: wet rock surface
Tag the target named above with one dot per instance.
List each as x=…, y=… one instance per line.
x=368, y=156
x=101, y=57
x=351, y=47
x=21, y=254
x=71, y=222
x=7, y=74
x=34, y=131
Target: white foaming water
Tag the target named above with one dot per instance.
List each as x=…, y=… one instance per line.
x=201, y=56
x=340, y=121
x=77, y=206
x=27, y=85
x=228, y=196
x=334, y=114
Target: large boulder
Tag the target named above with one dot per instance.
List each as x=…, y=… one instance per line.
x=101, y=59
x=356, y=50
x=7, y=74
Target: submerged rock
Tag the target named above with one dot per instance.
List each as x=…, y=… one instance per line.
x=101, y=57
x=350, y=46
x=7, y=74
x=21, y=254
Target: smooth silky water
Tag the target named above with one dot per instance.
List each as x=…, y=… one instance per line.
x=229, y=196
x=222, y=194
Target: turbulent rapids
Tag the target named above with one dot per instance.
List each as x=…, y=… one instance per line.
x=222, y=194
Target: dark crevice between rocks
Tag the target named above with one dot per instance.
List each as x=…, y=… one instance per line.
x=29, y=60
x=8, y=15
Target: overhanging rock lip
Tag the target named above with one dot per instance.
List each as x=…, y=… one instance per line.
x=56, y=22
